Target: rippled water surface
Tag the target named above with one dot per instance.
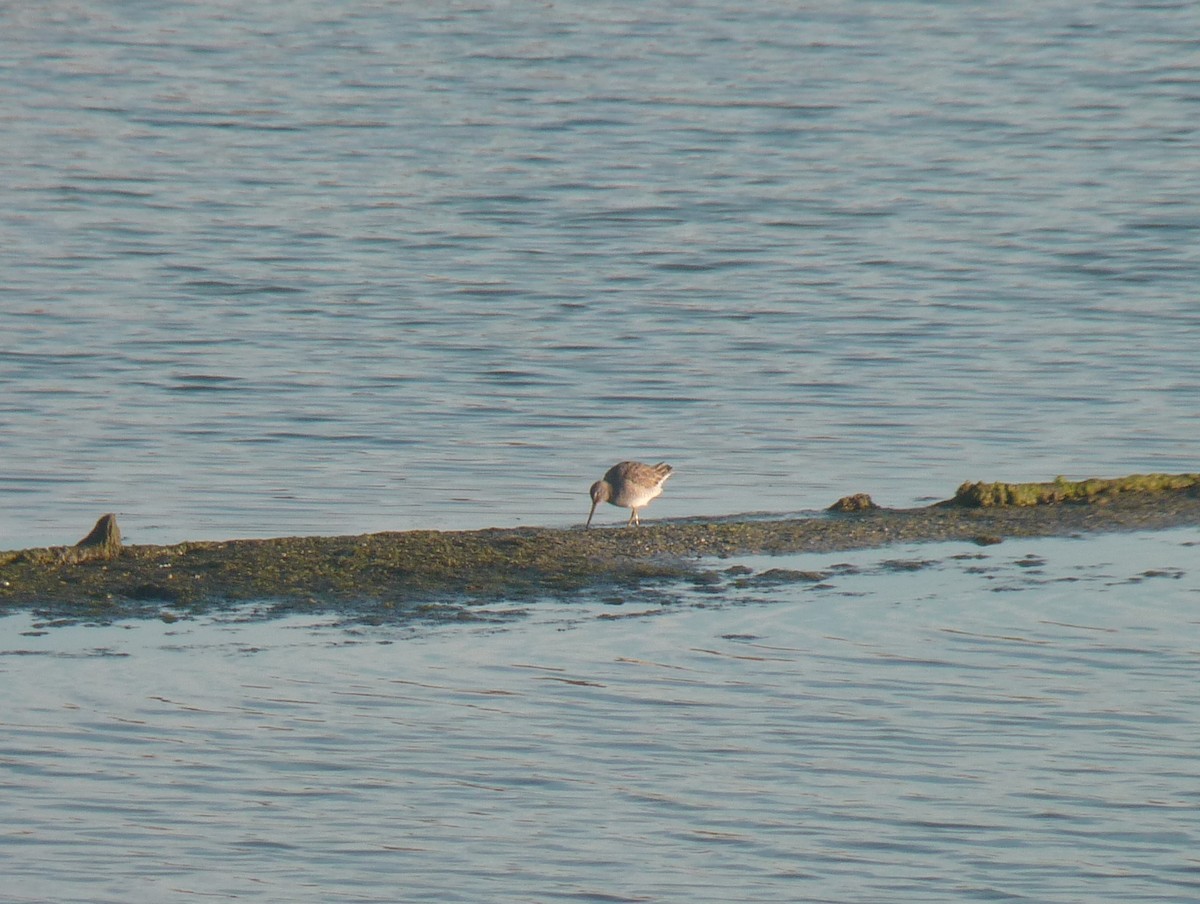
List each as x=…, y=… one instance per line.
x=332, y=268
x=926, y=723
x=310, y=268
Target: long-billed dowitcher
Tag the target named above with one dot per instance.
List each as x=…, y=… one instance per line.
x=630, y=484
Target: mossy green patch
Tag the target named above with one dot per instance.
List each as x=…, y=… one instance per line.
x=1060, y=490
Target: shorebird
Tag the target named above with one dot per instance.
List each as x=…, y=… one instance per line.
x=630, y=484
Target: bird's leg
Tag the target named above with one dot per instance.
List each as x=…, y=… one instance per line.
x=633, y=518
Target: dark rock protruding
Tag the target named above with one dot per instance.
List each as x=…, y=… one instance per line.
x=104, y=542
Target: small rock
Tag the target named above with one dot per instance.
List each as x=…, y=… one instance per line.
x=104, y=542
x=859, y=502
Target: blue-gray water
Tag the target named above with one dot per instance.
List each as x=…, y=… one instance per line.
x=937, y=723
x=275, y=268
x=299, y=268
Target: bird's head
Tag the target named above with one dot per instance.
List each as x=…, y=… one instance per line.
x=599, y=493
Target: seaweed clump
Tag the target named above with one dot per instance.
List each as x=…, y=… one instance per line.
x=859, y=502
x=1092, y=490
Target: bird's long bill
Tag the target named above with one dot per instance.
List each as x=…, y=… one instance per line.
x=592, y=512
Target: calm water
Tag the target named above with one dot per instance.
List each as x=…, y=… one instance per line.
x=931, y=723
x=332, y=268
x=300, y=268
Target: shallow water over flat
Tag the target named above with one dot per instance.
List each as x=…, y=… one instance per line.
x=924, y=723
x=273, y=269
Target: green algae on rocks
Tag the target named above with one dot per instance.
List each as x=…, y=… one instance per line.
x=422, y=570
x=1095, y=489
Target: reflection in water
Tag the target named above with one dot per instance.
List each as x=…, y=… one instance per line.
x=1017, y=722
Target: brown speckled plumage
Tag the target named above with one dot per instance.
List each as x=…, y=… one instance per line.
x=629, y=484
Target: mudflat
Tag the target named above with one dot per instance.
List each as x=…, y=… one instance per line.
x=99, y=576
